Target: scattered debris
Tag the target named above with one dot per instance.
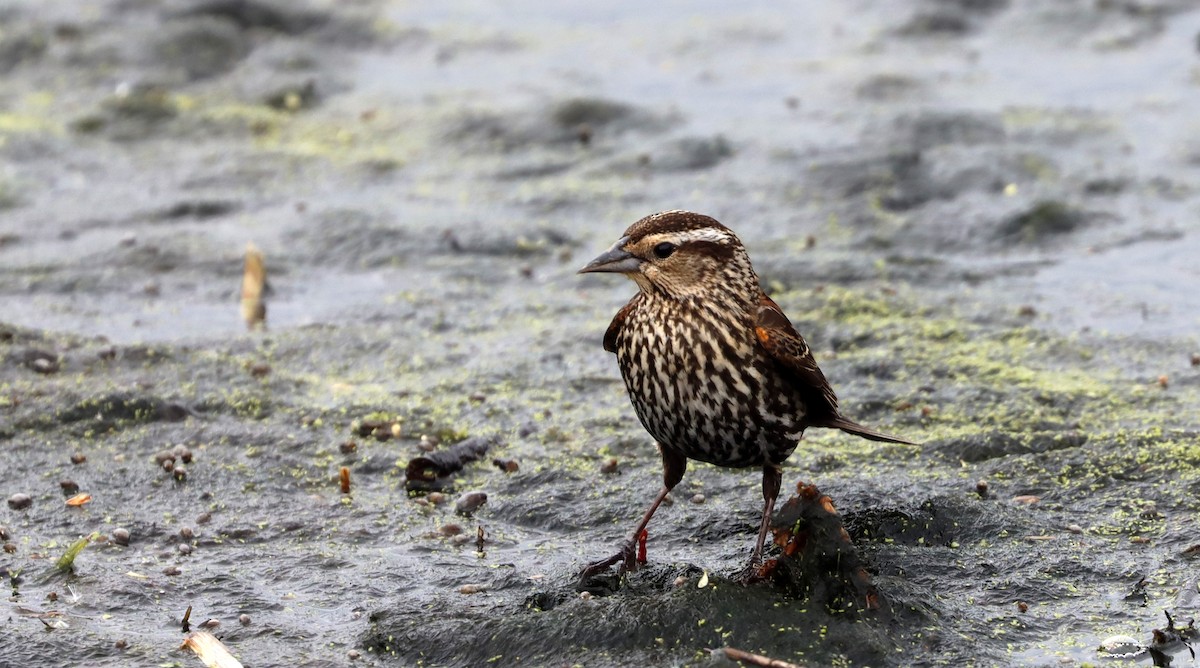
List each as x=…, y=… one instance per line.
x=432, y=471
x=507, y=465
x=66, y=563
x=254, y=287
x=750, y=659
x=1138, y=593
x=1161, y=642
x=79, y=499
x=470, y=502
x=20, y=501
x=43, y=362
x=210, y=650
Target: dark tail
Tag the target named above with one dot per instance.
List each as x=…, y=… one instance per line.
x=852, y=427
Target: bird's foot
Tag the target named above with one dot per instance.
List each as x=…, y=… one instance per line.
x=632, y=552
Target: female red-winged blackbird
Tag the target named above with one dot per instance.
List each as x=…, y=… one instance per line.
x=714, y=369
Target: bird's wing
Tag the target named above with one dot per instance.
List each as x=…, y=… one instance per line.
x=618, y=321
x=783, y=343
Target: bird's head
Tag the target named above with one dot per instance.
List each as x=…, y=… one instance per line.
x=681, y=255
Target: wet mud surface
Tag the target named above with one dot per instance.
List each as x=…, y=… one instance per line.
x=982, y=215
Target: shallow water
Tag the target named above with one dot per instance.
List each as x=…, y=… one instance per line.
x=1000, y=197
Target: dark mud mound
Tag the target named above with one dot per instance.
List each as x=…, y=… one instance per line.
x=661, y=614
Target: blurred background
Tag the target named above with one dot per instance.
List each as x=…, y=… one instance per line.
x=1044, y=153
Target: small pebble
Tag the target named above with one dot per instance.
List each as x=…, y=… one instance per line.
x=180, y=473
x=507, y=465
x=171, y=570
x=244, y=619
x=210, y=623
x=354, y=655
x=470, y=502
x=120, y=536
x=121, y=644
x=450, y=529
x=472, y=588
x=260, y=370
x=162, y=456
x=1074, y=528
x=698, y=499
x=1027, y=499
x=348, y=447
x=1121, y=646
x=187, y=533
x=78, y=458
x=203, y=518
x=1195, y=359
x=52, y=596
x=3, y=533
x=44, y=366
x=679, y=581
x=20, y=501
x=10, y=548
x=1022, y=606
x=68, y=486
x=609, y=466
x=168, y=465
x=460, y=539
x=396, y=430
x=585, y=595
x=1163, y=381
x=981, y=488
x=184, y=549
x=182, y=453
x=435, y=498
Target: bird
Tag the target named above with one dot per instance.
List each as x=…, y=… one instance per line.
x=713, y=367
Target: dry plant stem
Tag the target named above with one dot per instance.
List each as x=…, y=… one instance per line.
x=749, y=659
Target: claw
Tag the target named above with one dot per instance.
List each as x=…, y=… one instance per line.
x=628, y=557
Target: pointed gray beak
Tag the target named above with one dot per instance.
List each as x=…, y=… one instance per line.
x=614, y=260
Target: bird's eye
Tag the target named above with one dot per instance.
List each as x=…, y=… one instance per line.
x=664, y=250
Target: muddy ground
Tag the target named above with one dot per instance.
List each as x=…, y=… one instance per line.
x=982, y=214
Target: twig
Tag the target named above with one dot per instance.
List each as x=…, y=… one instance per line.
x=749, y=659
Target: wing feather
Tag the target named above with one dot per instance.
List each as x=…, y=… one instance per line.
x=780, y=340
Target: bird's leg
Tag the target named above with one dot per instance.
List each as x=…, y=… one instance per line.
x=772, y=479
x=674, y=466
